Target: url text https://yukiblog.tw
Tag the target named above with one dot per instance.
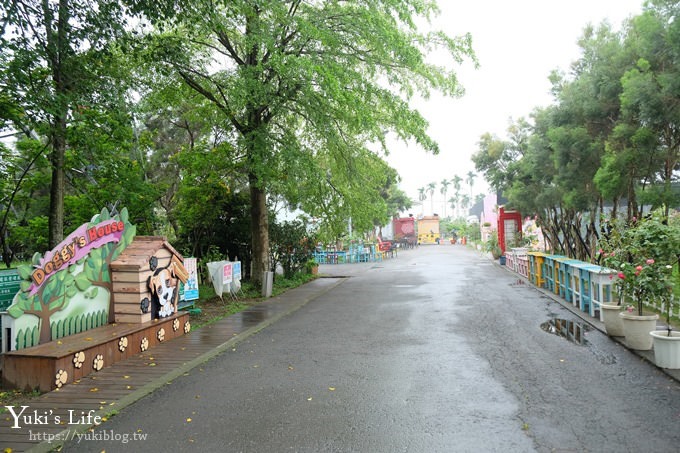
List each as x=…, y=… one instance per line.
x=77, y=421
x=72, y=435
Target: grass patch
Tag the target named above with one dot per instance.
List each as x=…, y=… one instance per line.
x=16, y=398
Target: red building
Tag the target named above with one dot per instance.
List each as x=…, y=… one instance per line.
x=509, y=227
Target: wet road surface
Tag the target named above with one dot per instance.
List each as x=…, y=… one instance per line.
x=438, y=350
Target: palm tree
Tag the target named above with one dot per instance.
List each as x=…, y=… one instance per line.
x=445, y=186
x=421, y=198
x=471, y=180
x=430, y=188
x=452, y=203
x=465, y=200
x=456, y=185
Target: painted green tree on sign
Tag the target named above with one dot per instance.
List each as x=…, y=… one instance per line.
x=52, y=297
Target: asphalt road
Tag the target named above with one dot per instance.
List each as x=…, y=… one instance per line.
x=438, y=350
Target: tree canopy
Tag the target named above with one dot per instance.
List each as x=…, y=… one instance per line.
x=609, y=139
x=190, y=105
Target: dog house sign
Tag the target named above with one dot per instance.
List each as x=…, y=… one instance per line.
x=68, y=290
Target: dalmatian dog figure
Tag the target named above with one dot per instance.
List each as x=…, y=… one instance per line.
x=163, y=287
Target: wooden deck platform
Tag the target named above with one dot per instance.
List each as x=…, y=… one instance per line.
x=49, y=366
x=121, y=384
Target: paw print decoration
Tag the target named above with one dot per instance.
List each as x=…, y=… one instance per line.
x=61, y=378
x=78, y=359
x=161, y=334
x=122, y=344
x=98, y=362
x=175, y=325
x=145, y=344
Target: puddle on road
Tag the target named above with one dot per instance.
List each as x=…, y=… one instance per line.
x=571, y=330
x=253, y=316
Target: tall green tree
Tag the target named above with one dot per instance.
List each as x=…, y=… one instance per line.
x=470, y=180
x=24, y=199
x=651, y=96
x=397, y=201
x=55, y=53
x=443, y=190
x=291, y=78
x=430, y=188
x=421, y=198
x=456, y=180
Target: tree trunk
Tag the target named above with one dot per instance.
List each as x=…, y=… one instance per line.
x=57, y=48
x=259, y=227
x=56, y=218
x=45, y=330
x=43, y=323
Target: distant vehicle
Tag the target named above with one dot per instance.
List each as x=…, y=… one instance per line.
x=404, y=229
x=428, y=230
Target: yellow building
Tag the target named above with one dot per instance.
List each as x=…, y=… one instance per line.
x=428, y=230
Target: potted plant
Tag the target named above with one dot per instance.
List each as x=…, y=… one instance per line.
x=492, y=246
x=611, y=253
x=667, y=342
x=312, y=267
x=646, y=253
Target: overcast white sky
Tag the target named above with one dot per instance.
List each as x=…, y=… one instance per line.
x=518, y=43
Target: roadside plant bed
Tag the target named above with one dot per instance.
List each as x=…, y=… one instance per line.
x=212, y=308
